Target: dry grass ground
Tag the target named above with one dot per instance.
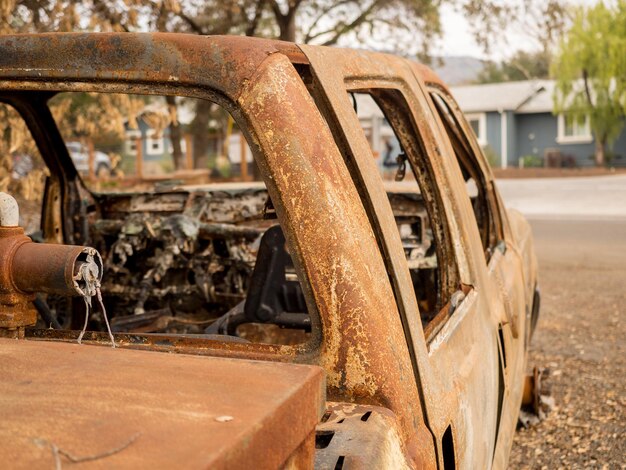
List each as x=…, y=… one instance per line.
x=581, y=339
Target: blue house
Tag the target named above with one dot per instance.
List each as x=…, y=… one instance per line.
x=514, y=120
x=156, y=146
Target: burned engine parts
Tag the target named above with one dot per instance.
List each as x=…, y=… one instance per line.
x=177, y=262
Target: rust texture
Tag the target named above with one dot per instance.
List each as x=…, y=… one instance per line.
x=360, y=436
x=16, y=308
x=177, y=260
x=184, y=410
x=363, y=343
x=27, y=268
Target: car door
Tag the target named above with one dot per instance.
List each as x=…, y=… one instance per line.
x=456, y=363
x=504, y=265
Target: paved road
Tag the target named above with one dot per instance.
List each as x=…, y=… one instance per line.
x=595, y=197
x=580, y=241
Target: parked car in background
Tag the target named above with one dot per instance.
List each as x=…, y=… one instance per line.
x=80, y=156
x=22, y=165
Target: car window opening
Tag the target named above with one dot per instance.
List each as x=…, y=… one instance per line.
x=23, y=172
x=405, y=192
x=189, y=238
x=474, y=184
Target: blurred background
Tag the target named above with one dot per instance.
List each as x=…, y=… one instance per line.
x=541, y=82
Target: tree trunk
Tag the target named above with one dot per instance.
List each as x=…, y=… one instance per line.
x=175, y=136
x=600, y=151
x=287, y=25
x=200, y=131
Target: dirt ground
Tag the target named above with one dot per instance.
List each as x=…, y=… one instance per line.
x=581, y=340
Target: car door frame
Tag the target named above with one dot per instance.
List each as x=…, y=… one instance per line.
x=506, y=275
x=449, y=400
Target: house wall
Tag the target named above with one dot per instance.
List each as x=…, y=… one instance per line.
x=619, y=150
x=495, y=137
x=511, y=144
x=538, y=132
x=151, y=155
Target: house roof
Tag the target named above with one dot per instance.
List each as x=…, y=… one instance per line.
x=530, y=96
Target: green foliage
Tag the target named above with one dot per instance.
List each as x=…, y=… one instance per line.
x=590, y=70
x=531, y=161
x=167, y=165
x=522, y=66
x=492, y=157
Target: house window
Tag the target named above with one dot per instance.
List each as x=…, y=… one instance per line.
x=573, y=131
x=154, y=145
x=478, y=123
x=131, y=141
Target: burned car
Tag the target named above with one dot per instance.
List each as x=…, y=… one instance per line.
x=327, y=310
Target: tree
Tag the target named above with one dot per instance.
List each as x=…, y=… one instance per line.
x=540, y=22
x=590, y=73
x=389, y=25
x=522, y=66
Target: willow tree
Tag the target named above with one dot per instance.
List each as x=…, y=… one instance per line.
x=590, y=73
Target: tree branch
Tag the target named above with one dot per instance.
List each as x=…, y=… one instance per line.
x=254, y=24
x=108, y=15
x=587, y=91
x=276, y=9
x=191, y=23
x=522, y=69
x=308, y=36
x=362, y=18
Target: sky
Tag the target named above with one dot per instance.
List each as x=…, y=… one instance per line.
x=458, y=41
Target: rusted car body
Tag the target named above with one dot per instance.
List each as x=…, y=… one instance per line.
x=401, y=389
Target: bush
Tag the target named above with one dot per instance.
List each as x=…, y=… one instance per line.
x=531, y=161
x=492, y=157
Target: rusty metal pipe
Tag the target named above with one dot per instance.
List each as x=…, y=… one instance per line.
x=54, y=269
x=27, y=268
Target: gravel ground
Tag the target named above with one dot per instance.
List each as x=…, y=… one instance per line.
x=581, y=340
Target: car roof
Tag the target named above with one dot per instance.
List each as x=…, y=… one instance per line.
x=223, y=63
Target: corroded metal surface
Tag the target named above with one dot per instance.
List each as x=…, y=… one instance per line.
x=40, y=267
x=16, y=308
x=359, y=436
x=27, y=268
x=220, y=64
x=182, y=411
x=350, y=285
x=326, y=191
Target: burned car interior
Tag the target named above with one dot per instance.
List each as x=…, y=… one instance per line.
x=208, y=260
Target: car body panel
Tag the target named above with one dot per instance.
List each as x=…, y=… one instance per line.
x=169, y=418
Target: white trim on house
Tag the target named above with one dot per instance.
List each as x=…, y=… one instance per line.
x=482, y=126
x=154, y=146
x=581, y=132
x=131, y=141
x=504, y=143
